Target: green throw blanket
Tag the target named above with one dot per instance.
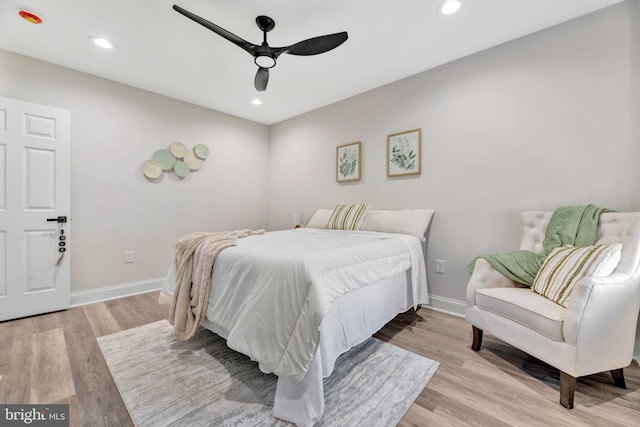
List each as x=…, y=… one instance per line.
x=569, y=225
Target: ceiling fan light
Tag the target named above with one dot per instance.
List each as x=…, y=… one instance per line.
x=449, y=7
x=102, y=42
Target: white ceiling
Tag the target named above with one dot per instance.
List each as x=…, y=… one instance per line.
x=161, y=51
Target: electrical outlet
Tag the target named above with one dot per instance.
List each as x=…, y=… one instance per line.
x=440, y=264
x=128, y=256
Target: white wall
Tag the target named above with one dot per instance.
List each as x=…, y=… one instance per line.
x=547, y=120
x=114, y=129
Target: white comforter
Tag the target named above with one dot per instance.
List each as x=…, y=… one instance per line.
x=270, y=292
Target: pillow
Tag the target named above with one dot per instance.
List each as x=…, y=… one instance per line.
x=408, y=221
x=565, y=265
x=347, y=217
x=320, y=219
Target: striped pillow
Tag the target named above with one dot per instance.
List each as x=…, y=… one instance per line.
x=566, y=265
x=347, y=217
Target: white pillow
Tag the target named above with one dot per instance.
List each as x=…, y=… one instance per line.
x=347, y=217
x=320, y=219
x=566, y=265
x=407, y=221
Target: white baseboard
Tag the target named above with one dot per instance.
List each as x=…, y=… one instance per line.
x=446, y=305
x=113, y=292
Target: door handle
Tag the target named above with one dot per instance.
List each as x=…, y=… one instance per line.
x=60, y=219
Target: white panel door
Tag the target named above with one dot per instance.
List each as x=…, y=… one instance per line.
x=34, y=193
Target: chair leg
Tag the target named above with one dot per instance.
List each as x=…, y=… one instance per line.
x=618, y=378
x=567, y=387
x=477, y=339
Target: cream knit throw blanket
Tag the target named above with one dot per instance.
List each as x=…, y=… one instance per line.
x=194, y=257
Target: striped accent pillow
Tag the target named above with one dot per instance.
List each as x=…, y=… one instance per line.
x=347, y=217
x=566, y=265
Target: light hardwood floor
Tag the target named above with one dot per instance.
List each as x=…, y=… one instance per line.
x=55, y=358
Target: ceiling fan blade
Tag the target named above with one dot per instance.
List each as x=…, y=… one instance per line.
x=317, y=45
x=249, y=47
x=262, y=78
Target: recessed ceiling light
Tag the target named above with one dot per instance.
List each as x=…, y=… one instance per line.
x=449, y=7
x=256, y=101
x=102, y=42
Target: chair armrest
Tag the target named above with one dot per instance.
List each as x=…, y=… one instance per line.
x=485, y=276
x=601, y=321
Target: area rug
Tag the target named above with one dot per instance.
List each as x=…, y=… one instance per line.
x=201, y=382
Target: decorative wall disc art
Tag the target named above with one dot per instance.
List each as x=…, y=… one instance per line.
x=151, y=169
x=181, y=169
x=201, y=151
x=178, y=149
x=194, y=162
x=177, y=158
x=165, y=158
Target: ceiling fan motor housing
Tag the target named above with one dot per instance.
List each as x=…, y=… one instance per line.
x=265, y=23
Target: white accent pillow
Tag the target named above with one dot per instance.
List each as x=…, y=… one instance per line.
x=347, y=217
x=566, y=265
x=320, y=219
x=408, y=221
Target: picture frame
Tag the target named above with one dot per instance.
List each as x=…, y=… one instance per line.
x=404, y=153
x=348, y=162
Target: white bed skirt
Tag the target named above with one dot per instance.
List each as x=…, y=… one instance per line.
x=353, y=318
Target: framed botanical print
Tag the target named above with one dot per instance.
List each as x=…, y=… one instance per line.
x=348, y=161
x=404, y=153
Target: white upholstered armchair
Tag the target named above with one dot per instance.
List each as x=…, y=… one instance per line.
x=594, y=333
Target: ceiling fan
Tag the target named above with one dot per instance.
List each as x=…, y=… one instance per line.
x=264, y=55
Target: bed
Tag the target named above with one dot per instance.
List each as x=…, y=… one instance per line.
x=294, y=300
